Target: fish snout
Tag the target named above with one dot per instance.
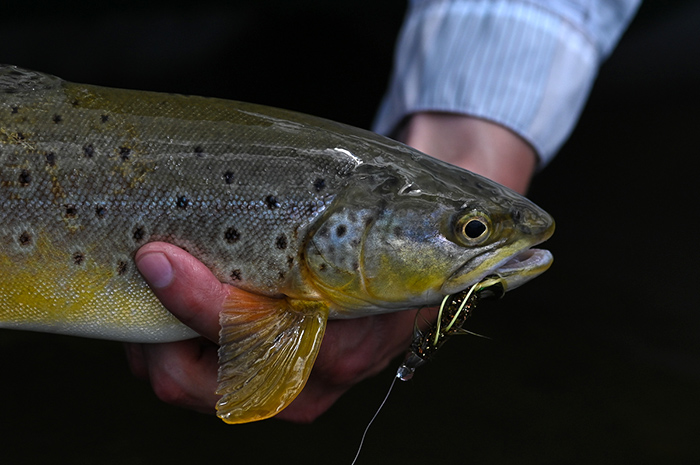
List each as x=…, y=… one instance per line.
x=532, y=221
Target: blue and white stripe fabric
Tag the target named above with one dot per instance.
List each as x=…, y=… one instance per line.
x=526, y=64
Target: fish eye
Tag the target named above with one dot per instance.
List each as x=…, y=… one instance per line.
x=473, y=228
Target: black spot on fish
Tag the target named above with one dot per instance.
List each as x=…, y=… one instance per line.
x=355, y=266
x=20, y=136
x=236, y=275
x=138, y=233
x=281, y=275
x=281, y=242
x=121, y=267
x=516, y=214
x=51, y=159
x=25, y=238
x=75, y=103
x=183, y=202
x=231, y=235
x=89, y=151
x=322, y=267
x=25, y=178
x=319, y=184
x=290, y=261
x=323, y=232
x=397, y=230
x=271, y=202
x=228, y=177
x=71, y=211
x=15, y=110
x=78, y=258
x=100, y=211
x=341, y=230
x=104, y=118
x=199, y=151
x=124, y=153
x=57, y=118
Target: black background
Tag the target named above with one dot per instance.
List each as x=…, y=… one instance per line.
x=597, y=361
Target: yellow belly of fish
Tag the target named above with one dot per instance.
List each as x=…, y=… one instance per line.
x=42, y=293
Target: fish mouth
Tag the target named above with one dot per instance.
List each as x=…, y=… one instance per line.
x=524, y=266
x=518, y=263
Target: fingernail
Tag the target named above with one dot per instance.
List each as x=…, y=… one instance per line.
x=156, y=269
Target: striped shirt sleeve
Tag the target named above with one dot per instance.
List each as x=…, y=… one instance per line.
x=525, y=64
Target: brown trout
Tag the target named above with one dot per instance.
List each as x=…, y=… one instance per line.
x=307, y=218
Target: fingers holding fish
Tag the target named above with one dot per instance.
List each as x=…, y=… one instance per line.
x=182, y=373
x=185, y=286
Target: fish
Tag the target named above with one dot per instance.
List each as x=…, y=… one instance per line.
x=306, y=218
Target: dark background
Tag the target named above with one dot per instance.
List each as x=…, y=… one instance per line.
x=597, y=361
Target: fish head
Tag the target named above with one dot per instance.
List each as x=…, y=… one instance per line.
x=407, y=236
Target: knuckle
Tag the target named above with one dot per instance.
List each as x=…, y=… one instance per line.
x=169, y=390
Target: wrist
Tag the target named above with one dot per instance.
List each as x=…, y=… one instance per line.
x=478, y=145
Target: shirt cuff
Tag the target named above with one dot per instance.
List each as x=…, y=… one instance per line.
x=518, y=64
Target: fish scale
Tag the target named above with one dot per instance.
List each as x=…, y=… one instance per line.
x=305, y=218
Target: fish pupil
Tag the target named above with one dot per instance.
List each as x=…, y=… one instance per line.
x=474, y=229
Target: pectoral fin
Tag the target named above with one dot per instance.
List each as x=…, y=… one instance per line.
x=268, y=347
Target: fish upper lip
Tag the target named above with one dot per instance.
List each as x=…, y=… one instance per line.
x=530, y=258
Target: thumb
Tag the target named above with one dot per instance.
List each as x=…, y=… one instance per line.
x=185, y=286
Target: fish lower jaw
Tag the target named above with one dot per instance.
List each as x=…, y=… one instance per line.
x=513, y=271
x=523, y=267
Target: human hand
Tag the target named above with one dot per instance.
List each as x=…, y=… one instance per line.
x=184, y=373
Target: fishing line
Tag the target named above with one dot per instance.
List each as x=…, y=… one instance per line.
x=362, y=441
x=421, y=348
